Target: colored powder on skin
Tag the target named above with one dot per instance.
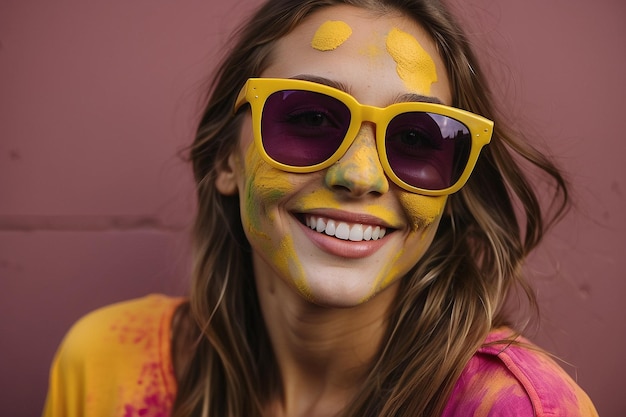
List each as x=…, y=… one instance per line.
x=286, y=259
x=384, y=278
x=331, y=35
x=384, y=213
x=371, y=51
x=321, y=197
x=423, y=213
x=264, y=186
x=374, y=49
x=413, y=64
x=364, y=180
x=361, y=169
x=422, y=210
x=324, y=198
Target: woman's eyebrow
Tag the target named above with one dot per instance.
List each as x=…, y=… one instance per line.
x=325, y=81
x=412, y=97
x=402, y=98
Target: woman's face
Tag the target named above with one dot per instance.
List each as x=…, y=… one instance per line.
x=377, y=59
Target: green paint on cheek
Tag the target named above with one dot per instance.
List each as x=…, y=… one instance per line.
x=251, y=214
x=264, y=187
x=331, y=35
x=414, y=65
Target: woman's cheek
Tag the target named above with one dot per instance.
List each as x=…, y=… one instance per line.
x=285, y=259
x=422, y=211
x=424, y=214
x=264, y=188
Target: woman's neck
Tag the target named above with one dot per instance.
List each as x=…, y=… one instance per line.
x=323, y=354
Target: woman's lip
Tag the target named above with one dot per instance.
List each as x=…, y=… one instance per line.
x=344, y=230
x=342, y=248
x=348, y=217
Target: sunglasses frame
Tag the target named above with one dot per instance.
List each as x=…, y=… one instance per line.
x=256, y=91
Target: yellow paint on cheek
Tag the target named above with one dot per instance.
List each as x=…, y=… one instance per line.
x=321, y=197
x=267, y=184
x=422, y=210
x=390, y=276
x=413, y=64
x=331, y=35
x=264, y=176
x=324, y=198
x=263, y=188
x=384, y=213
x=286, y=259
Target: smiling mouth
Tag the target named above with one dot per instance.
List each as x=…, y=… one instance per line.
x=354, y=232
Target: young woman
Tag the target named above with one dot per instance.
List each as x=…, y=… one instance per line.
x=346, y=263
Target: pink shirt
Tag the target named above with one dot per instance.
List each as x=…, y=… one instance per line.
x=515, y=380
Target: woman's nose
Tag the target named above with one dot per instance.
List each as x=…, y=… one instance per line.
x=359, y=171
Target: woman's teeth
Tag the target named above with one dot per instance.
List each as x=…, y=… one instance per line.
x=345, y=231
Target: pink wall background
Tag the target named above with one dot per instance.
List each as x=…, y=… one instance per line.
x=95, y=205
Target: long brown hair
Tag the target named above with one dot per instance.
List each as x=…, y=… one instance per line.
x=448, y=302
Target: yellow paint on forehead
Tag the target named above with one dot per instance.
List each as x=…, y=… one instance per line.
x=413, y=64
x=331, y=35
x=371, y=50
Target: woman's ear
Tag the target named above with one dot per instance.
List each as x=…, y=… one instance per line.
x=226, y=180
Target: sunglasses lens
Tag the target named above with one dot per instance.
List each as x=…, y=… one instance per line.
x=303, y=128
x=427, y=150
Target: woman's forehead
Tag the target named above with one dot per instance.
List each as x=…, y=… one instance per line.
x=352, y=42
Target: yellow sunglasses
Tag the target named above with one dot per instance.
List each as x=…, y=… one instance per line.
x=302, y=126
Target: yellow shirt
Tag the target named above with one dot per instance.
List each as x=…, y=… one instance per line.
x=130, y=340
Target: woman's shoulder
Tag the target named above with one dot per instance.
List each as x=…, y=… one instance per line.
x=509, y=376
x=114, y=359
x=126, y=322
